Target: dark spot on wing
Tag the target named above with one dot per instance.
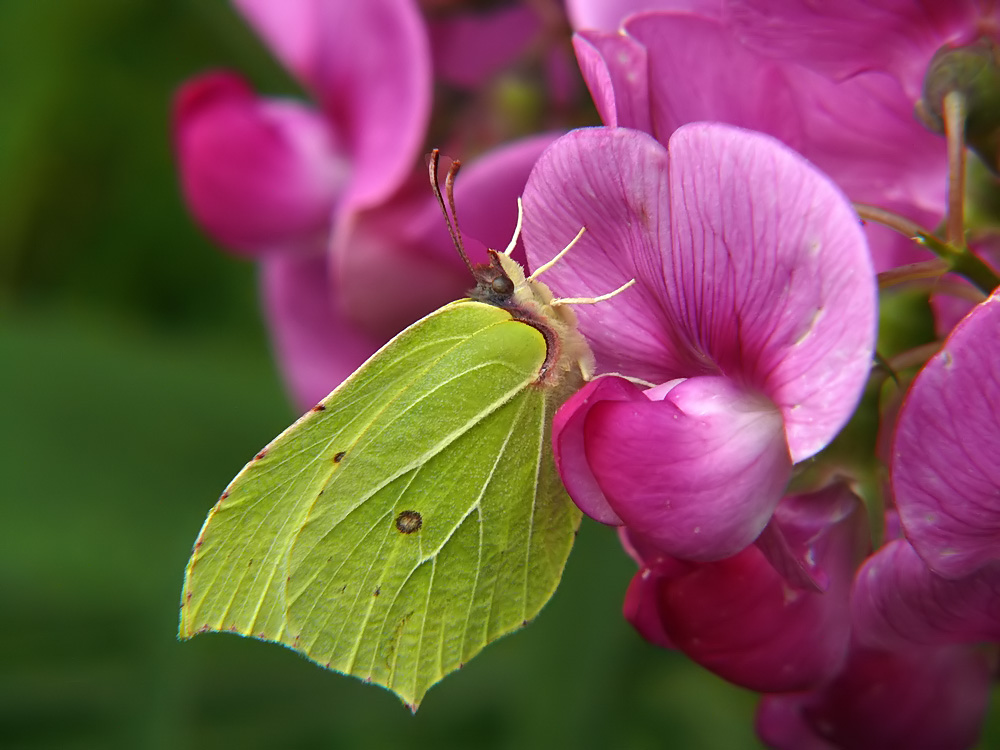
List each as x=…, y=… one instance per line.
x=338, y=457
x=378, y=590
x=260, y=455
x=409, y=521
x=319, y=407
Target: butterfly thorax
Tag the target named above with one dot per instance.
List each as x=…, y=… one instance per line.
x=502, y=283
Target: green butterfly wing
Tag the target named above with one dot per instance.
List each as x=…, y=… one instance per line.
x=412, y=517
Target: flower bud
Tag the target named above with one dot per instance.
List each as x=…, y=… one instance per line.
x=973, y=71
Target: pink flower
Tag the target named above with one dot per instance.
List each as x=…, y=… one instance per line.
x=267, y=176
x=333, y=199
x=667, y=69
x=740, y=618
x=754, y=311
x=385, y=268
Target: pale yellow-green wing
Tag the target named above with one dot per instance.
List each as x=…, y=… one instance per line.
x=412, y=517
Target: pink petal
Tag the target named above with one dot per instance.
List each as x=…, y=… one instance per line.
x=781, y=725
x=851, y=36
x=926, y=699
x=615, y=68
x=385, y=278
x=402, y=249
x=699, y=472
x=469, y=47
x=258, y=175
x=368, y=63
x=795, y=311
x=687, y=86
x=898, y=601
x=316, y=345
x=738, y=618
x=798, y=532
x=608, y=15
x=862, y=132
x=569, y=444
x=614, y=183
x=944, y=472
x=291, y=29
x=641, y=608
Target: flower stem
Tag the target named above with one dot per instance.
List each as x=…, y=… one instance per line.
x=954, y=128
x=916, y=357
x=928, y=269
x=892, y=220
x=955, y=258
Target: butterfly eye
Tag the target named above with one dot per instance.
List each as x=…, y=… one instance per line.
x=502, y=285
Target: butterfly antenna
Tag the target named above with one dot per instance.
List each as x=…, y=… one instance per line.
x=451, y=219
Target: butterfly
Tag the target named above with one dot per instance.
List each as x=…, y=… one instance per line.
x=415, y=514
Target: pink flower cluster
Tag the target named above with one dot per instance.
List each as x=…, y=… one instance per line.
x=746, y=347
x=731, y=433
x=331, y=198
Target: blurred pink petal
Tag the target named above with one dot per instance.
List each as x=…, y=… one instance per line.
x=316, y=345
x=469, y=47
x=607, y=15
x=898, y=601
x=259, y=175
x=781, y=725
x=850, y=36
x=861, y=132
x=689, y=81
x=922, y=699
x=944, y=472
x=368, y=64
x=396, y=263
x=388, y=266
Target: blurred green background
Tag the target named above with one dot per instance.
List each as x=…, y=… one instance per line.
x=136, y=381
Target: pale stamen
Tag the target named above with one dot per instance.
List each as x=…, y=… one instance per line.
x=517, y=229
x=591, y=300
x=546, y=266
